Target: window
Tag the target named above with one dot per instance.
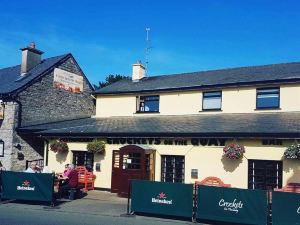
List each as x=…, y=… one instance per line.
x=267, y=98
x=212, y=100
x=1, y=148
x=264, y=174
x=86, y=159
x=148, y=103
x=132, y=161
x=172, y=169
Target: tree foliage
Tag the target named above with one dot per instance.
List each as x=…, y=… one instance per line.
x=110, y=79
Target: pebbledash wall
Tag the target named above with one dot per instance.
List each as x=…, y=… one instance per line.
x=38, y=103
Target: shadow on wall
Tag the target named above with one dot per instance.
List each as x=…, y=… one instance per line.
x=292, y=166
x=99, y=157
x=230, y=165
x=61, y=156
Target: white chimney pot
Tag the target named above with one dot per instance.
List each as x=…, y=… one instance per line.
x=138, y=72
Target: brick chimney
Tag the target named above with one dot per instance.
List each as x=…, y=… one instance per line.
x=138, y=71
x=30, y=57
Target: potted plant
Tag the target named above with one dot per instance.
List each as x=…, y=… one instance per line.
x=292, y=152
x=234, y=151
x=59, y=146
x=96, y=146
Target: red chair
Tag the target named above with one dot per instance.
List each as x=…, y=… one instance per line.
x=212, y=181
x=86, y=179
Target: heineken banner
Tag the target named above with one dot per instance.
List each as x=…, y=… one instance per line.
x=27, y=186
x=285, y=208
x=172, y=199
x=232, y=205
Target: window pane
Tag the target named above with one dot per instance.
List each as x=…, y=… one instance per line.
x=151, y=106
x=268, y=98
x=212, y=103
x=149, y=103
x=212, y=94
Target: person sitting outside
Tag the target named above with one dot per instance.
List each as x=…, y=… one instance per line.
x=72, y=181
x=66, y=171
x=33, y=168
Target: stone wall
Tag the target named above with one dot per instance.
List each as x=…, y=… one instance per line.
x=7, y=127
x=42, y=103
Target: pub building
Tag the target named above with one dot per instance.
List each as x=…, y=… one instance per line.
x=34, y=92
x=173, y=128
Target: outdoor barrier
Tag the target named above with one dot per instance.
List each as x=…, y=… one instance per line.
x=27, y=186
x=232, y=205
x=285, y=208
x=170, y=199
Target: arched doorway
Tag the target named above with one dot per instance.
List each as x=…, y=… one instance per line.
x=131, y=162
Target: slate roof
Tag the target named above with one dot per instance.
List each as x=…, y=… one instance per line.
x=275, y=73
x=218, y=125
x=9, y=76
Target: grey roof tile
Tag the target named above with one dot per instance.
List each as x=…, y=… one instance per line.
x=222, y=77
x=10, y=77
x=255, y=124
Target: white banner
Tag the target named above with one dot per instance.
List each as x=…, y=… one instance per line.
x=67, y=81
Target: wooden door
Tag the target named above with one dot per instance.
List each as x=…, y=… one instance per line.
x=116, y=172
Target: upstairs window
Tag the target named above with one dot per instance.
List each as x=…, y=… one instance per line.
x=212, y=100
x=148, y=103
x=267, y=98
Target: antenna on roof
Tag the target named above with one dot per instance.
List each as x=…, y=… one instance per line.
x=147, y=50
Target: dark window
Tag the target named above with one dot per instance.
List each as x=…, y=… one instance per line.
x=132, y=161
x=267, y=98
x=212, y=100
x=264, y=174
x=86, y=159
x=148, y=103
x=1, y=148
x=172, y=169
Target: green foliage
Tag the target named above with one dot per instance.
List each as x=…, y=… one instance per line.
x=96, y=146
x=58, y=146
x=292, y=152
x=110, y=79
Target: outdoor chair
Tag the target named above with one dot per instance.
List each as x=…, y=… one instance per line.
x=86, y=179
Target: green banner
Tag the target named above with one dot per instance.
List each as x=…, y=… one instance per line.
x=285, y=208
x=171, y=199
x=27, y=186
x=232, y=205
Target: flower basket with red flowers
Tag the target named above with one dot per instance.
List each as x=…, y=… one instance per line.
x=59, y=146
x=234, y=151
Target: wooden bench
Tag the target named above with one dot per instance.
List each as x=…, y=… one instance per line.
x=212, y=181
x=290, y=187
x=86, y=179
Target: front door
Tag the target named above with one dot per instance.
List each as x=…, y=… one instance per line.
x=130, y=162
x=264, y=174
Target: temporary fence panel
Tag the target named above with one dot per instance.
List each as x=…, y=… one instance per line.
x=285, y=208
x=27, y=186
x=171, y=199
x=232, y=205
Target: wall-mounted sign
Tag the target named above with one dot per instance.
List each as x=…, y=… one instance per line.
x=168, y=141
x=194, y=174
x=1, y=148
x=98, y=167
x=1, y=112
x=67, y=81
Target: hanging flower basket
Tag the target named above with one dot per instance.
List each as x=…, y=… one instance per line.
x=292, y=152
x=96, y=146
x=59, y=146
x=234, y=151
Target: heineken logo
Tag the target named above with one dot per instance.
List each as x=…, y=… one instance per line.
x=25, y=186
x=233, y=206
x=161, y=198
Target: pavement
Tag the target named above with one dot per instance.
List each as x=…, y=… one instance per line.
x=97, y=208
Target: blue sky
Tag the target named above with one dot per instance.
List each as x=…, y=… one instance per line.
x=107, y=37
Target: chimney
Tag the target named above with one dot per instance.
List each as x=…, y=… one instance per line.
x=30, y=58
x=138, y=71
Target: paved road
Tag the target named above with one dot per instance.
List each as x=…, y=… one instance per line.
x=92, y=210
